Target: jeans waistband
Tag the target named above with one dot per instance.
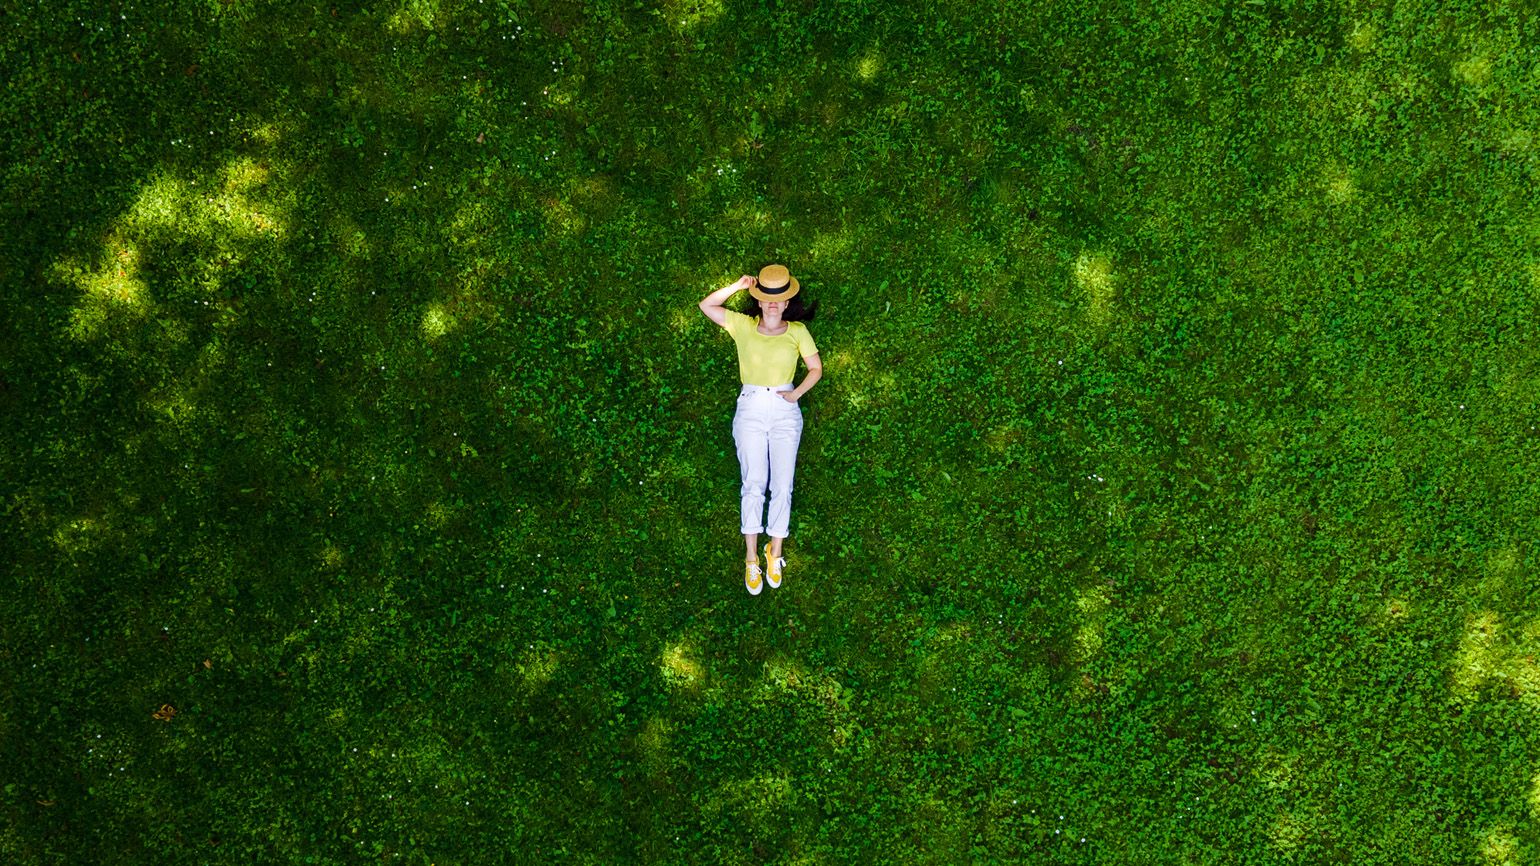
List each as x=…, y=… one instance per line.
x=764, y=389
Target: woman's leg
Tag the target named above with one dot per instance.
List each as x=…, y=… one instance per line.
x=750, y=434
x=785, y=436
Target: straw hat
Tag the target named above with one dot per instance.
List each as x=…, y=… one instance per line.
x=775, y=284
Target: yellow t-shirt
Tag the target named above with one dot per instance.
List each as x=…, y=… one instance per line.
x=766, y=360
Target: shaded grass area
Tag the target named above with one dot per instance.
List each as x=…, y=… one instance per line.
x=1168, y=497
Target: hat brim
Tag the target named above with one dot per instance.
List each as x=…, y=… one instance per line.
x=786, y=295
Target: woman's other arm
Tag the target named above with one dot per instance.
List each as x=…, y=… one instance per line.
x=712, y=304
x=814, y=373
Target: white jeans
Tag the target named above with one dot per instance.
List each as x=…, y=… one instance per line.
x=767, y=430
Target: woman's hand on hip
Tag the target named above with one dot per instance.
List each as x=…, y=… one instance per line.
x=788, y=396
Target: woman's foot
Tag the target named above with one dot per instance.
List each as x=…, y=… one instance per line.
x=752, y=576
x=777, y=566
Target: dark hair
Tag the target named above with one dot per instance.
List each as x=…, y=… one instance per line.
x=795, y=310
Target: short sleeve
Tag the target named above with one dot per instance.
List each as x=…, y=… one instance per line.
x=805, y=345
x=737, y=323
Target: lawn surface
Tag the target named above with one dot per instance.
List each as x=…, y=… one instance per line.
x=1170, y=495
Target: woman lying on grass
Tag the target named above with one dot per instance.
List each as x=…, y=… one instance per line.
x=767, y=426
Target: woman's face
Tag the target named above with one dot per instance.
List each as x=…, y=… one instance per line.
x=772, y=309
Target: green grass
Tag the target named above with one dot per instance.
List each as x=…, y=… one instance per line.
x=1169, y=495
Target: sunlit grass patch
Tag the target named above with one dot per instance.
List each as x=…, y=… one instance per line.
x=1490, y=652
x=1522, y=671
x=1475, y=660
x=562, y=219
x=466, y=305
x=1498, y=846
x=243, y=173
x=80, y=534
x=830, y=246
x=438, y=514
x=227, y=204
x=363, y=638
x=596, y=187
x=653, y=742
x=536, y=666
x=1338, y=96
x=1275, y=769
x=745, y=216
x=173, y=404
x=161, y=202
x=849, y=365
x=233, y=208
x=685, y=16
x=784, y=674
x=1397, y=609
x=436, y=321
x=1091, y=633
x=1289, y=830
x=113, y=287
x=1363, y=36
x=1093, y=274
x=1534, y=276
x=413, y=16
x=868, y=65
x=270, y=132
x=683, y=321
x=1534, y=795
x=844, y=360
x=469, y=227
x=1475, y=70
x=680, y=668
x=118, y=282
x=1518, y=142
x=563, y=91
x=331, y=556
x=1338, y=183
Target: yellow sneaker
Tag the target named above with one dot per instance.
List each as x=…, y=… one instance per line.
x=751, y=575
x=777, y=566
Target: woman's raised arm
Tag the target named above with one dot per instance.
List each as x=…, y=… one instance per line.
x=711, y=305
